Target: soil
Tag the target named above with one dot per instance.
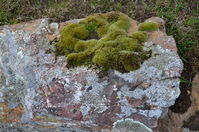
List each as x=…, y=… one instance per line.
x=183, y=102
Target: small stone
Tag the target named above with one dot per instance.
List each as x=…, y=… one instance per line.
x=54, y=27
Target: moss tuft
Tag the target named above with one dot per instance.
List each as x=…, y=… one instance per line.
x=80, y=32
x=102, y=40
x=148, y=26
x=128, y=59
x=78, y=59
x=84, y=45
x=140, y=36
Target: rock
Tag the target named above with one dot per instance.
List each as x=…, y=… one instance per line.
x=38, y=93
x=195, y=91
x=54, y=28
x=158, y=20
x=134, y=27
x=188, y=121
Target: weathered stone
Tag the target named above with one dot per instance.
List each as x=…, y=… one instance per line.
x=188, y=121
x=158, y=20
x=38, y=91
x=134, y=27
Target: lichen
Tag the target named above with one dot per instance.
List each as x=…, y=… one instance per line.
x=148, y=26
x=129, y=125
x=102, y=40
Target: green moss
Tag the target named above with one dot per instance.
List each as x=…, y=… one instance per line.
x=66, y=45
x=123, y=23
x=140, y=35
x=112, y=17
x=102, y=30
x=80, y=32
x=92, y=23
x=113, y=34
x=102, y=56
x=128, y=59
x=78, y=59
x=129, y=43
x=103, y=44
x=102, y=40
x=148, y=26
x=83, y=45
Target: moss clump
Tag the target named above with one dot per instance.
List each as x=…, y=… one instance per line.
x=140, y=36
x=102, y=40
x=148, y=26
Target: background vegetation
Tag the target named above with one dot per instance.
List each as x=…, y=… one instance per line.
x=181, y=16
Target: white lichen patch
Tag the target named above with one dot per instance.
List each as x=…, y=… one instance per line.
x=129, y=125
x=160, y=71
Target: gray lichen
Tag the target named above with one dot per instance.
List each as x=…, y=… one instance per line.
x=129, y=125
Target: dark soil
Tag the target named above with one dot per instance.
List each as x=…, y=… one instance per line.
x=183, y=102
x=193, y=122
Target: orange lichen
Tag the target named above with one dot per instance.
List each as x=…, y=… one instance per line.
x=8, y=115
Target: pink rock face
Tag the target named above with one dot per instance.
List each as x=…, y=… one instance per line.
x=56, y=93
x=52, y=95
x=134, y=27
x=160, y=38
x=58, y=98
x=70, y=111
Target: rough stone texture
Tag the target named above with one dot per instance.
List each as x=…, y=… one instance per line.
x=188, y=121
x=37, y=91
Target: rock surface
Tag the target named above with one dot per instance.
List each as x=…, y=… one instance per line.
x=188, y=121
x=37, y=91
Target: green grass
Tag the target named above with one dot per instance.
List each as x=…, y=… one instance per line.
x=15, y=11
x=182, y=23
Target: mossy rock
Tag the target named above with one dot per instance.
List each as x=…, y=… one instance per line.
x=141, y=36
x=148, y=26
x=102, y=40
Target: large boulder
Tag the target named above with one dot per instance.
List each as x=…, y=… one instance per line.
x=38, y=92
